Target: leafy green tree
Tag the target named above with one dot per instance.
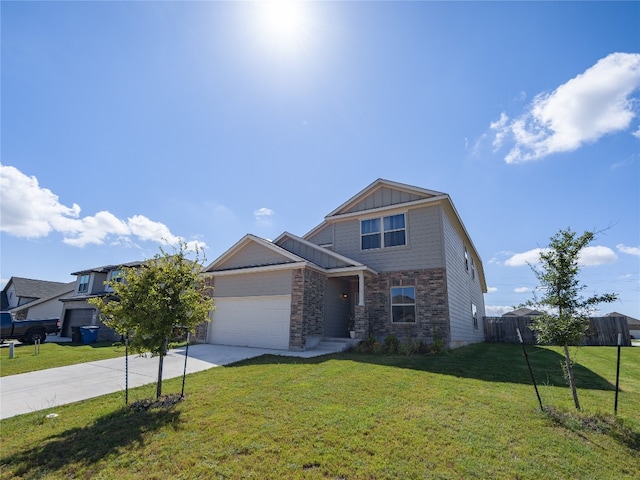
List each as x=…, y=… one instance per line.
x=566, y=318
x=151, y=301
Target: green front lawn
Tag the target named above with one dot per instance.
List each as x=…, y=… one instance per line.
x=469, y=413
x=54, y=355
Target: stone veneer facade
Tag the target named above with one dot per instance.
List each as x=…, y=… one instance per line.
x=432, y=311
x=307, y=307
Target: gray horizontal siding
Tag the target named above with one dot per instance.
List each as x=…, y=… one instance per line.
x=423, y=249
x=463, y=290
x=255, y=284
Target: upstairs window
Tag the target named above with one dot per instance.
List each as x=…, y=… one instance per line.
x=373, y=235
x=83, y=284
x=116, y=276
x=394, y=232
x=403, y=304
x=370, y=230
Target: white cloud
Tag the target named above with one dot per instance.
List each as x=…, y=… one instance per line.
x=587, y=107
x=263, y=216
x=521, y=289
x=594, y=256
x=589, y=257
x=492, y=289
x=95, y=229
x=30, y=211
x=629, y=250
x=637, y=133
x=530, y=257
x=146, y=229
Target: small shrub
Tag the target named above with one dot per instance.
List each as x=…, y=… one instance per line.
x=367, y=345
x=409, y=348
x=422, y=347
x=391, y=344
x=438, y=344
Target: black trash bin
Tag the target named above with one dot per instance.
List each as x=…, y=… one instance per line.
x=76, y=336
x=89, y=334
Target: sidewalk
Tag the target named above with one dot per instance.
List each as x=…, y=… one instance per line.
x=30, y=392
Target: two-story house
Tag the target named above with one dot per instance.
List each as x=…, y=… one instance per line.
x=78, y=312
x=393, y=259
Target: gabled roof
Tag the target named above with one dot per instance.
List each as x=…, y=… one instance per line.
x=35, y=289
x=31, y=288
x=276, y=255
x=320, y=256
x=384, y=193
x=630, y=320
x=108, y=268
x=68, y=290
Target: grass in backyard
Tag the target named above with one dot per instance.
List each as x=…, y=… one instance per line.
x=54, y=355
x=469, y=413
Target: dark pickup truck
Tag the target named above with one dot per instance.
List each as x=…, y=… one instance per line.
x=27, y=331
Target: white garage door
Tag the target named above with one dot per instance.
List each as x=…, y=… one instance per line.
x=252, y=321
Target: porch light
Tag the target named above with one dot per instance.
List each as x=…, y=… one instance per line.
x=345, y=295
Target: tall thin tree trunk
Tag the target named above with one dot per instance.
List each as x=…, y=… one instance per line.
x=572, y=382
x=165, y=343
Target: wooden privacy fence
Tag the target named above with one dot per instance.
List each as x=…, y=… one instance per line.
x=602, y=330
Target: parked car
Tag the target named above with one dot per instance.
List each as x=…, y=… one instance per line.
x=27, y=331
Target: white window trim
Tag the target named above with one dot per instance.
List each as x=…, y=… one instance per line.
x=414, y=305
x=80, y=284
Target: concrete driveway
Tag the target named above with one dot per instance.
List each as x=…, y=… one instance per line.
x=30, y=392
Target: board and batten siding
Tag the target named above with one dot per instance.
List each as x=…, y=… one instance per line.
x=315, y=255
x=253, y=284
x=253, y=255
x=462, y=289
x=423, y=248
x=384, y=197
x=324, y=236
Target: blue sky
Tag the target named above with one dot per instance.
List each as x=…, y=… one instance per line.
x=126, y=125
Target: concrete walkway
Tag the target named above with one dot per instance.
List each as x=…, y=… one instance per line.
x=30, y=392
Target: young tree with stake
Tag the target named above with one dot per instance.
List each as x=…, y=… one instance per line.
x=149, y=302
x=566, y=318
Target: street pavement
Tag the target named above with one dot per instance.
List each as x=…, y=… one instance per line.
x=30, y=392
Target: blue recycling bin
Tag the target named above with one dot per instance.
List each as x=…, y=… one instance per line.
x=89, y=334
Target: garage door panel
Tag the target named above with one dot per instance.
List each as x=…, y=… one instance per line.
x=252, y=321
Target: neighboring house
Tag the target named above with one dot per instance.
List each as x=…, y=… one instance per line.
x=78, y=312
x=523, y=312
x=395, y=258
x=30, y=299
x=632, y=323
